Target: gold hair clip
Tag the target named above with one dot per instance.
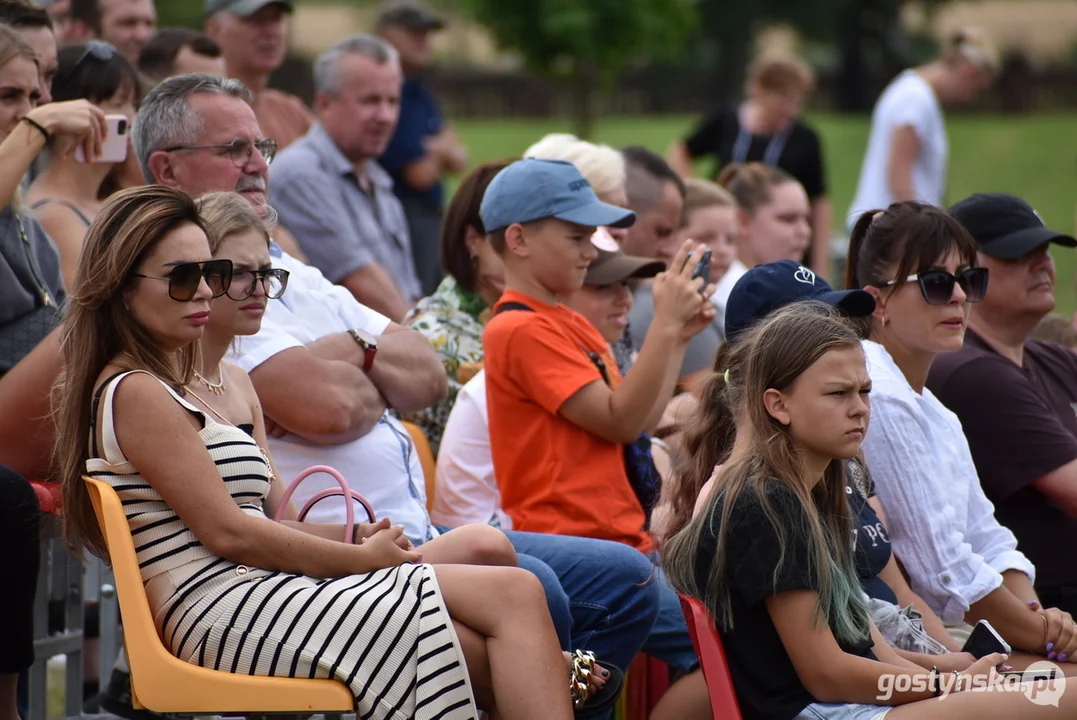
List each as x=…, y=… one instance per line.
x=725, y=376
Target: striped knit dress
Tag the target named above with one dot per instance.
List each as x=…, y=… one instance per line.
x=385, y=634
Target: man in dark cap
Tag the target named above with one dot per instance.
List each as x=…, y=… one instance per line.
x=1017, y=397
x=424, y=147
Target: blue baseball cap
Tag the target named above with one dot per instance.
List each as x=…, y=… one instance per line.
x=533, y=189
x=765, y=288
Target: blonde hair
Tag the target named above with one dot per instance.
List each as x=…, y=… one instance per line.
x=97, y=326
x=972, y=45
x=780, y=72
x=700, y=193
x=227, y=213
x=600, y=165
x=751, y=183
x=12, y=47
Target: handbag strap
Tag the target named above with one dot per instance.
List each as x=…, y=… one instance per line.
x=591, y=354
x=37, y=286
x=349, y=524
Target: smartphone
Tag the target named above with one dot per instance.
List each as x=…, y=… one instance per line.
x=703, y=270
x=115, y=147
x=984, y=640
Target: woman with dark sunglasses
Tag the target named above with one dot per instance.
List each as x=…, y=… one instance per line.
x=920, y=266
x=227, y=585
x=68, y=194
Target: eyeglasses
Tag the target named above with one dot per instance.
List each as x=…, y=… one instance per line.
x=184, y=279
x=97, y=49
x=274, y=282
x=239, y=150
x=937, y=286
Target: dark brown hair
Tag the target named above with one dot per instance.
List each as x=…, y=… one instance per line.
x=751, y=183
x=462, y=213
x=157, y=59
x=21, y=14
x=707, y=439
x=906, y=238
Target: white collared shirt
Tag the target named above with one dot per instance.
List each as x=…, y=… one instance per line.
x=382, y=465
x=942, y=526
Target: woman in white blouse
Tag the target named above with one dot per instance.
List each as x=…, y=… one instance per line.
x=919, y=264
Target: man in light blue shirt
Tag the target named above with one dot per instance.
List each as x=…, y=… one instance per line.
x=332, y=194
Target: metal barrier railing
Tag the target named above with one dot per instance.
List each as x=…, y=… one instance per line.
x=70, y=581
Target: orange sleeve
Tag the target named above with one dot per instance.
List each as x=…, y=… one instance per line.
x=545, y=364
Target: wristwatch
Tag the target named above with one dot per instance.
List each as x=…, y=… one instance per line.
x=369, y=344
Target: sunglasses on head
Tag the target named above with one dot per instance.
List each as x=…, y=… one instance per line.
x=937, y=286
x=97, y=49
x=184, y=278
x=274, y=282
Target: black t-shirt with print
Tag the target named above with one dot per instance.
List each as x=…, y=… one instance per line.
x=871, y=542
x=765, y=680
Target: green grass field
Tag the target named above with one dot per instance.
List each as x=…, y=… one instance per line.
x=1034, y=157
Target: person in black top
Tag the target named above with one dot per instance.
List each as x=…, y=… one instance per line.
x=767, y=128
x=769, y=554
x=1017, y=397
x=761, y=291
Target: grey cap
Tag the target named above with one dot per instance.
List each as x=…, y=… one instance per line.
x=410, y=14
x=244, y=8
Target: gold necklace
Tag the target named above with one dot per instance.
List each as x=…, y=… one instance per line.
x=217, y=388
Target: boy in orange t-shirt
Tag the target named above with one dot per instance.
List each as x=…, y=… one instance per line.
x=557, y=427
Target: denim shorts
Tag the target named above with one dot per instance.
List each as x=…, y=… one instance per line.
x=843, y=711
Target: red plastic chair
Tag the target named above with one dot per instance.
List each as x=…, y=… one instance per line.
x=711, y=658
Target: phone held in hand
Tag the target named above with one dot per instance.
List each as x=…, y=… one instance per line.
x=703, y=270
x=114, y=149
x=984, y=640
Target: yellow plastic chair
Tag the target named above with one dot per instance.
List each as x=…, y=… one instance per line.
x=165, y=684
x=426, y=457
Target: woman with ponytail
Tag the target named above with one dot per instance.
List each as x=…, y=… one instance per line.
x=710, y=437
x=920, y=266
x=769, y=554
x=773, y=213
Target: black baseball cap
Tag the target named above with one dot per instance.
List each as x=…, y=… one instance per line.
x=765, y=288
x=1005, y=226
x=411, y=14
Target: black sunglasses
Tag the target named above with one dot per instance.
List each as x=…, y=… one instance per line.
x=239, y=150
x=937, y=286
x=274, y=282
x=184, y=279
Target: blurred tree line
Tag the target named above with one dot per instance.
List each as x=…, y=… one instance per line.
x=589, y=43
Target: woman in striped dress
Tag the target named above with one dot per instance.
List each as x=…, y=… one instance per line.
x=230, y=589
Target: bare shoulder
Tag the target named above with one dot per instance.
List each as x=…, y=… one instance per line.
x=236, y=377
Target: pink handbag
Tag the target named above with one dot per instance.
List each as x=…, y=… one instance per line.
x=343, y=491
